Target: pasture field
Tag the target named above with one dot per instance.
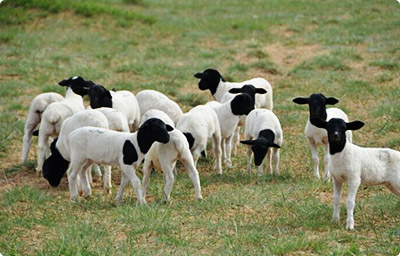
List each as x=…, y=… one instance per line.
x=346, y=49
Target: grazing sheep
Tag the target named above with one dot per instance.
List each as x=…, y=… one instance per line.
x=263, y=134
x=357, y=165
x=123, y=101
x=229, y=114
x=96, y=145
x=55, y=114
x=151, y=99
x=317, y=107
x=199, y=125
x=212, y=80
x=163, y=157
x=36, y=109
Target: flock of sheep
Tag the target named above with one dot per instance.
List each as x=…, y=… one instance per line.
x=121, y=129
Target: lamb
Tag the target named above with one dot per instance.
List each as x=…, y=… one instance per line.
x=87, y=146
x=123, y=101
x=212, y=80
x=317, y=107
x=56, y=113
x=151, y=99
x=229, y=114
x=198, y=125
x=263, y=134
x=60, y=147
x=357, y=165
x=164, y=156
x=36, y=109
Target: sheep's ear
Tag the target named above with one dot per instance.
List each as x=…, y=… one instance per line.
x=356, y=125
x=199, y=75
x=261, y=91
x=235, y=90
x=331, y=101
x=301, y=100
x=271, y=144
x=81, y=91
x=63, y=82
x=203, y=154
x=319, y=122
x=247, y=142
x=169, y=128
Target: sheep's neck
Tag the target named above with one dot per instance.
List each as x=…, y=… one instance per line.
x=144, y=139
x=323, y=115
x=219, y=91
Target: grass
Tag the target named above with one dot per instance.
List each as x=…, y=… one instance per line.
x=344, y=49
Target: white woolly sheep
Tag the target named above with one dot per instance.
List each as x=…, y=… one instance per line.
x=229, y=114
x=212, y=80
x=96, y=145
x=124, y=101
x=315, y=136
x=357, y=165
x=36, y=109
x=199, y=125
x=264, y=135
x=55, y=114
x=151, y=99
x=163, y=157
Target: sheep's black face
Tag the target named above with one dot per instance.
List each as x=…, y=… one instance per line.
x=250, y=90
x=336, y=128
x=242, y=104
x=152, y=130
x=55, y=166
x=260, y=149
x=209, y=79
x=99, y=97
x=75, y=81
x=317, y=104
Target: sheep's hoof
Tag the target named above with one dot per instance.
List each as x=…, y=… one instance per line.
x=199, y=199
x=74, y=198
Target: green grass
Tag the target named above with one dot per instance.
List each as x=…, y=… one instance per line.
x=154, y=44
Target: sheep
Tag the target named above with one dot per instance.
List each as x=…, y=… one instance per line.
x=264, y=136
x=36, y=109
x=317, y=107
x=164, y=156
x=96, y=145
x=55, y=114
x=60, y=147
x=212, y=80
x=123, y=101
x=357, y=165
x=229, y=114
x=151, y=99
x=198, y=125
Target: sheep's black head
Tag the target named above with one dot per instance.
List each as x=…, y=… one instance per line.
x=250, y=90
x=153, y=130
x=74, y=82
x=209, y=79
x=242, y=104
x=55, y=166
x=336, y=128
x=316, y=104
x=98, y=95
x=261, y=145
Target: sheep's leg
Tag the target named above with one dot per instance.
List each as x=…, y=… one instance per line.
x=124, y=182
x=76, y=168
x=217, y=153
x=89, y=175
x=223, y=149
x=107, y=179
x=337, y=193
x=327, y=173
x=193, y=174
x=395, y=188
x=147, y=166
x=248, y=156
x=196, y=157
x=275, y=160
x=351, y=201
x=43, y=147
x=228, y=148
x=236, y=139
x=269, y=167
x=169, y=180
x=97, y=170
x=84, y=181
x=314, y=154
x=31, y=122
x=135, y=182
